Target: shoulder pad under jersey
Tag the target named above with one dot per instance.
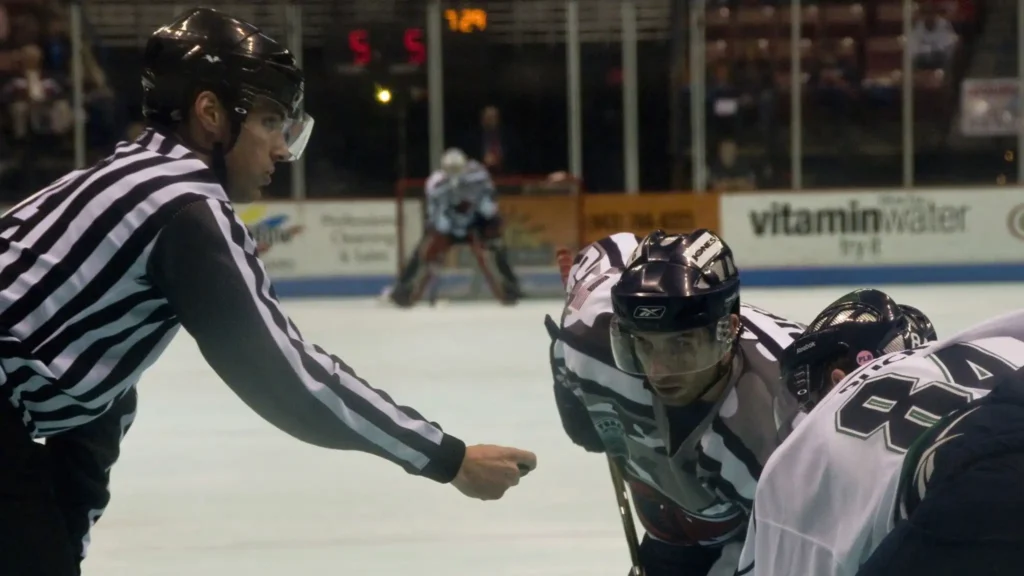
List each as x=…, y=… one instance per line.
x=610, y=252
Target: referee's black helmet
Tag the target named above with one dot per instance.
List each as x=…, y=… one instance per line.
x=208, y=50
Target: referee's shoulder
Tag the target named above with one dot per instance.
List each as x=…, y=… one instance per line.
x=182, y=171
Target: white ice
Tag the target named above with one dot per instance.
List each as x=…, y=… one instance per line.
x=205, y=488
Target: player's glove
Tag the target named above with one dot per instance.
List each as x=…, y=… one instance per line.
x=573, y=412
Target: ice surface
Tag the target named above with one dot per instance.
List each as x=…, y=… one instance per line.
x=206, y=488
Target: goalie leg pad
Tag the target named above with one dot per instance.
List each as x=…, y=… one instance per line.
x=492, y=258
x=420, y=269
x=492, y=255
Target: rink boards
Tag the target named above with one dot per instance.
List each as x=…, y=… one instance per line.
x=353, y=247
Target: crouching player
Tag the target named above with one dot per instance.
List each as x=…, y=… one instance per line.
x=911, y=458
x=658, y=365
x=462, y=208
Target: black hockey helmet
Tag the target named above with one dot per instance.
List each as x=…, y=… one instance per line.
x=205, y=49
x=672, y=308
x=924, y=326
x=852, y=331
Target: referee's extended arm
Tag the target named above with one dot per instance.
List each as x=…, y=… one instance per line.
x=206, y=266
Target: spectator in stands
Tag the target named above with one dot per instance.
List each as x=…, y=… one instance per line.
x=493, y=145
x=756, y=84
x=38, y=102
x=729, y=173
x=932, y=40
x=5, y=27
x=25, y=24
x=723, y=100
x=962, y=9
x=40, y=113
x=103, y=126
x=835, y=79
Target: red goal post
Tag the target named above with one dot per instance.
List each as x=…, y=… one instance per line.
x=540, y=215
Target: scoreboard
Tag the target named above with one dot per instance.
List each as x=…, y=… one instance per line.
x=400, y=48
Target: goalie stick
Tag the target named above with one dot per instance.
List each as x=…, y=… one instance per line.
x=564, y=259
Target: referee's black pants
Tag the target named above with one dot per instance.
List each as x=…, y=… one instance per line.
x=34, y=539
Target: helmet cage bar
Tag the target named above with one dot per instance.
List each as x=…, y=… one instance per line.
x=807, y=363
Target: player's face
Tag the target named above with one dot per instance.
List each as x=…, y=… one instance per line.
x=261, y=144
x=681, y=365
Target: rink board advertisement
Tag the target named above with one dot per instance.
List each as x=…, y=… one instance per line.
x=927, y=235
x=607, y=214
x=328, y=239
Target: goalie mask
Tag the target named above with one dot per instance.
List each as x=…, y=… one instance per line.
x=454, y=162
x=854, y=330
x=676, y=309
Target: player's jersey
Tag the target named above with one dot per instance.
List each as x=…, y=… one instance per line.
x=692, y=470
x=830, y=493
x=454, y=204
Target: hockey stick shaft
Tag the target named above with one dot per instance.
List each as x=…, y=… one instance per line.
x=626, y=514
x=564, y=259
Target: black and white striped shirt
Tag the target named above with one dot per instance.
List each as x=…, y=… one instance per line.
x=99, y=270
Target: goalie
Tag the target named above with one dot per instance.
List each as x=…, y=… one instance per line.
x=461, y=208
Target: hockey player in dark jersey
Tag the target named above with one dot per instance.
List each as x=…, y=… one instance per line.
x=910, y=457
x=462, y=208
x=659, y=365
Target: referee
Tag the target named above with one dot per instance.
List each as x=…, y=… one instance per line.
x=99, y=270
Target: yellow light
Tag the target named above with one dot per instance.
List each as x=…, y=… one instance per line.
x=383, y=95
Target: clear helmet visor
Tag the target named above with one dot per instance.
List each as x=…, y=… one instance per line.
x=657, y=354
x=287, y=134
x=677, y=363
x=296, y=132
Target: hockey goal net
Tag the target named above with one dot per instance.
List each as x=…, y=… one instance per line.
x=540, y=215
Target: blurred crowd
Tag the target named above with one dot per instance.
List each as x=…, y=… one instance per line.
x=850, y=81
x=37, y=117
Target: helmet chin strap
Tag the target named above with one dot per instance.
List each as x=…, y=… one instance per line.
x=218, y=152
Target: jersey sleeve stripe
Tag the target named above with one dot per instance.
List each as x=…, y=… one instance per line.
x=770, y=341
x=736, y=465
x=338, y=391
x=613, y=251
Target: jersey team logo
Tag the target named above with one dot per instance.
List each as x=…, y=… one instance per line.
x=649, y=312
x=612, y=434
